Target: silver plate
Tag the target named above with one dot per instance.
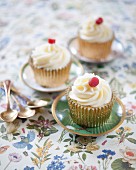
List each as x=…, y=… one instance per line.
x=116, y=52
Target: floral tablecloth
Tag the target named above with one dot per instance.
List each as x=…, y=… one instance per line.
x=39, y=142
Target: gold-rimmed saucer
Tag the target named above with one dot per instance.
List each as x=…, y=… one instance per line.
x=61, y=114
x=117, y=51
x=27, y=77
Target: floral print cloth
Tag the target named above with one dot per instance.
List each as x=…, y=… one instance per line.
x=39, y=142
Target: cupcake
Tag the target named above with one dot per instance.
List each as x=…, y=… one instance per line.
x=95, y=39
x=50, y=64
x=90, y=100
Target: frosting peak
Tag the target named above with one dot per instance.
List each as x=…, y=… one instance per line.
x=93, y=32
x=50, y=56
x=84, y=94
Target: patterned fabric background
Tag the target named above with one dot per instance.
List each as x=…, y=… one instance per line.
x=38, y=142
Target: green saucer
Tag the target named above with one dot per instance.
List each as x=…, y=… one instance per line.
x=61, y=114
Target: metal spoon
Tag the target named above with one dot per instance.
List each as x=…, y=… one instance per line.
x=31, y=104
x=24, y=112
x=9, y=115
x=35, y=104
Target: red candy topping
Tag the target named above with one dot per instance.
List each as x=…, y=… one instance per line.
x=93, y=82
x=99, y=21
x=51, y=41
x=129, y=153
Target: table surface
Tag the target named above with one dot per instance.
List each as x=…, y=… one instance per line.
x=38, y=142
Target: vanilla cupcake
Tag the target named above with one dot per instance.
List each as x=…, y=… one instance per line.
x=51, y=64
x=90, y=100
x=95, y=39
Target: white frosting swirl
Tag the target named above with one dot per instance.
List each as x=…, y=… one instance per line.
x=92, y=32
x=90, y=96
x=50, y=56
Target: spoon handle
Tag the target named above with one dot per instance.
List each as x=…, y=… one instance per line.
x=7, y=85
x=19, y=94
x=15, y=90
x=18, y=103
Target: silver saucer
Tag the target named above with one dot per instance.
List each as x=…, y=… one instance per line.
x=116, y=52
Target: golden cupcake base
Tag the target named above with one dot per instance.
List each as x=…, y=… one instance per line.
x=88, y=116
x=61, y=113
x=96, y=51
x=50, y=78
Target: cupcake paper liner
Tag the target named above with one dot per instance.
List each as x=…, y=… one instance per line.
x=50, y=78
x=88, y=116
x=96, y=51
